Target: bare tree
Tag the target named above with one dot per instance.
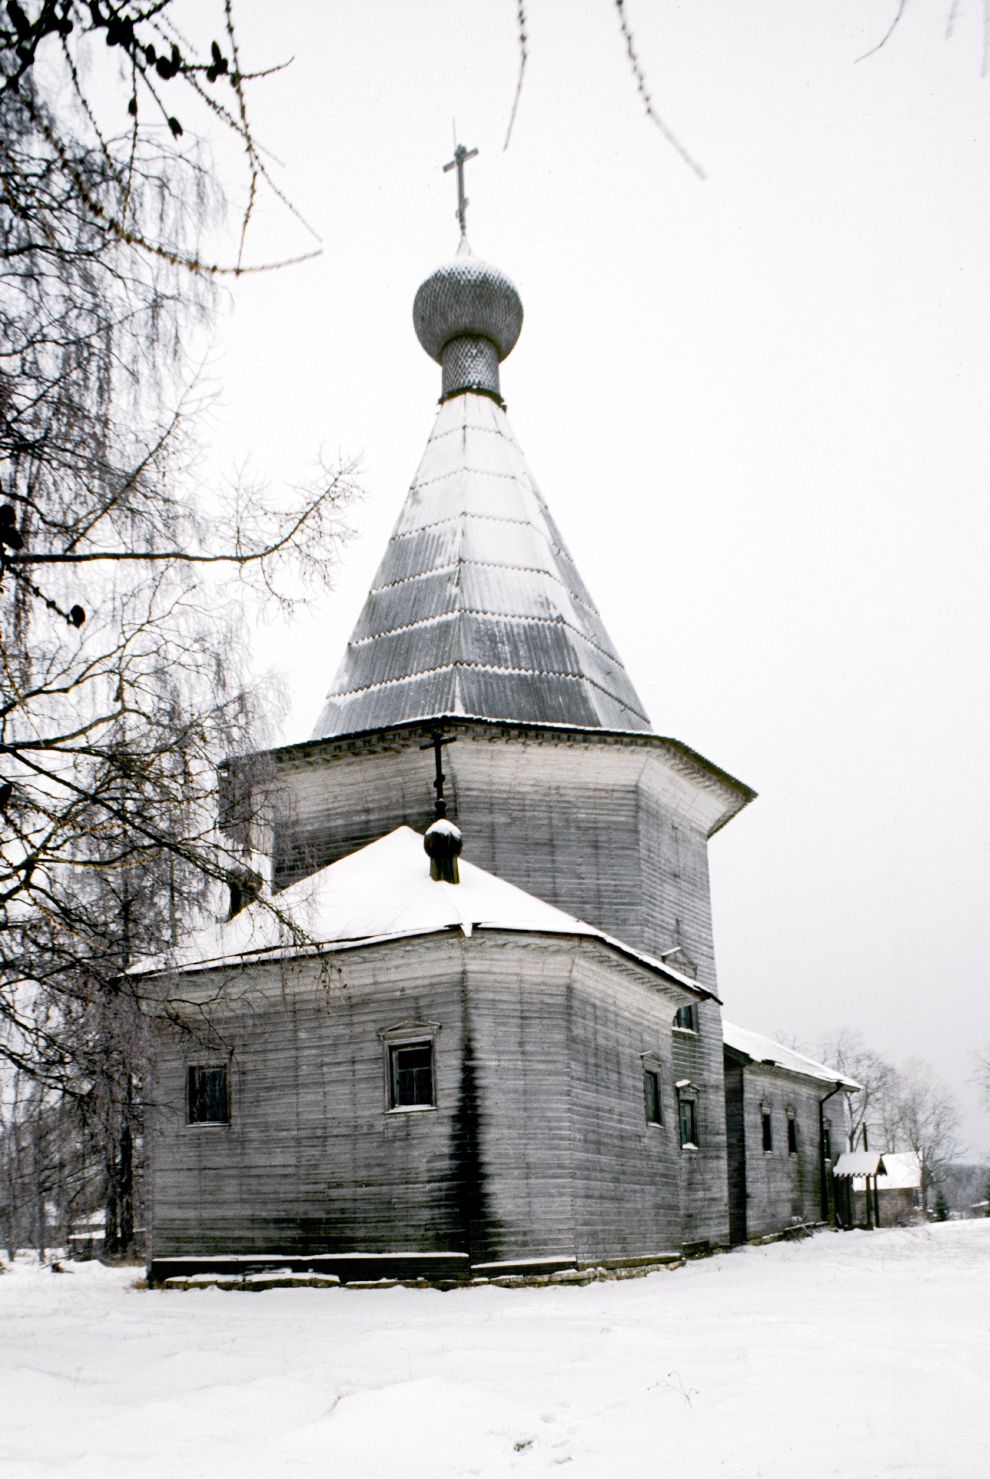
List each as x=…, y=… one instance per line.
x=924, y=1118
x=845, y=1050
x=983, y=1074
x=121, y=579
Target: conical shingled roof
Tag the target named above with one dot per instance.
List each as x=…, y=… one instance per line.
x=477, y=608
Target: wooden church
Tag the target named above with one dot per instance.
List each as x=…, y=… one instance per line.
x=474, y=1025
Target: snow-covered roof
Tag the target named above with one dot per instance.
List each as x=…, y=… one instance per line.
x=381, y=892
x=764, y=1050
x=900, y=1171
x=859, y=1163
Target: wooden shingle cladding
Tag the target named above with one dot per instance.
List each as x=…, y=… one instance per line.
x=770, y=1190
x=537, y=1146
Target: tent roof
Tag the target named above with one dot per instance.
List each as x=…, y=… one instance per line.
x=477, y=608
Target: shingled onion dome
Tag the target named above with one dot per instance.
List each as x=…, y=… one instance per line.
x=468, y=317
x=443, y=843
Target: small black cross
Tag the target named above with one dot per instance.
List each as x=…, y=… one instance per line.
x=460, y=159
x=436, y=743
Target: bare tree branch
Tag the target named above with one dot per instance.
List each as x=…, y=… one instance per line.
x=901, y=7
x=641, y=87
x=523, y=57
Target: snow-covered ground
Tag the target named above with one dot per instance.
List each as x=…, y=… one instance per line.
x=858, y=1354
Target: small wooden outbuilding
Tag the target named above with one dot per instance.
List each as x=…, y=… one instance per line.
x=879, y=1190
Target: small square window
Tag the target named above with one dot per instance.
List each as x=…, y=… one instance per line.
x=767, y=1129
x=207, y=1101
x=686, y=1018
x=791, y=1133
x=410, y=1075
x=687, y=1111
x=651, y=1094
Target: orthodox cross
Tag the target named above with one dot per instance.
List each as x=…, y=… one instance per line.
x=460, y=159
x=436, y=744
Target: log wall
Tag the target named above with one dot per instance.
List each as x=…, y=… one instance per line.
x=537, y=1146
x=612, y=829
x=782, y=1188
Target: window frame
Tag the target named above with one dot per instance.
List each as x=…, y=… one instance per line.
x=792, y=1131
x=691, y=1012
x=653, y=1082
x=688, y=1110
x=396, y=1099
x=766, y=1127
x=394, y=1040
x=198, y=1097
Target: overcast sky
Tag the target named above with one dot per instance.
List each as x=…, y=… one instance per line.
x=757, y=407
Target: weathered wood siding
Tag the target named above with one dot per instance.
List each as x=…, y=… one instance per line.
x=614, y=830
x=538, y=1144
x=735, y=1145
x=310, y=1160
x=782, y=1187
x=635, y=1190
x=518, y=1067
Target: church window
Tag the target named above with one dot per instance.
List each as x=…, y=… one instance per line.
x=411, y=1076
x=651, y=1093
x=686, y=1018
x=767, y=1123
x=791, y=1132
x=687, y=1114
x=207, y=1100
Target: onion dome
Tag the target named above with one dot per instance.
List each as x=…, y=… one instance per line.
x=468, y=317
x=443, y=843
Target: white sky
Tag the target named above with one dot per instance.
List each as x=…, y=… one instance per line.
x=757, y=408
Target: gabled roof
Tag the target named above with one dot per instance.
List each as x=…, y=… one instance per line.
x=764, y=1050
x=898, y=1170
x=477, y=608
x=384, y=892
x=901, y=1171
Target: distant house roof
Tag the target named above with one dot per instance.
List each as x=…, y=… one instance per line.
x=764, y=1050
x=383, y=892
x=899, y=1171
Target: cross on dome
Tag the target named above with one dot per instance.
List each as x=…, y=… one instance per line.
x=436, y=743
x=460, y=159
x=467, y=313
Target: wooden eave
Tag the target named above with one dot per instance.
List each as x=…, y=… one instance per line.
x=708, y=776
x=317, y=948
